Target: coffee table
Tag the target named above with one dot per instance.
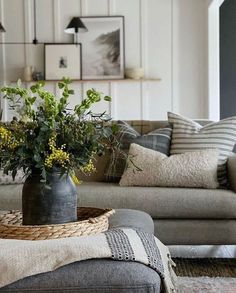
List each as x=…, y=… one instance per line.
x=98, y=275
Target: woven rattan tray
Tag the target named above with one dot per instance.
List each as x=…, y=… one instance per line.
x=90, y=221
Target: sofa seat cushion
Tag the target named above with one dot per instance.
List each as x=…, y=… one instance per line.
x=10, y=197
x=161, y=202
x=196, y=232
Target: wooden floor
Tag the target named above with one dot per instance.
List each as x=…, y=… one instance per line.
x=224, y=251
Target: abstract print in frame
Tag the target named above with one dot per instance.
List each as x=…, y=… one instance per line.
x=103, y=47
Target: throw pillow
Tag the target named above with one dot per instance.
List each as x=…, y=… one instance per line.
x=7, y=179
x=192, y=169
x=158, y=140
x=190, y=136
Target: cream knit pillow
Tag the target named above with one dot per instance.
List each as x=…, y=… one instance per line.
x=192, y=169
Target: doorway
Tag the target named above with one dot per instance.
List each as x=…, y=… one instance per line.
x=228, y=59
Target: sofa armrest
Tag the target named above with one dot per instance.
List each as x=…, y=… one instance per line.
x=231, y=168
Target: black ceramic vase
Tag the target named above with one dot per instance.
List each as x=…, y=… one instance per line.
x=54, y=202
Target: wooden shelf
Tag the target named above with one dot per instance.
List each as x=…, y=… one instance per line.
x=102, y=80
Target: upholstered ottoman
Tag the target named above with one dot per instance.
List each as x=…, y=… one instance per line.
x=98, y=275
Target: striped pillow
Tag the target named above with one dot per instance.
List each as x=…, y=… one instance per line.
x=190, y=136
x=158, y=140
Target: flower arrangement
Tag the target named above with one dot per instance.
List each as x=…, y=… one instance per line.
x=46, y=135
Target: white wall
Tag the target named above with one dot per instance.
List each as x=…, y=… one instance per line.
x=166, y=37
x=214, y=59
x=190, y=57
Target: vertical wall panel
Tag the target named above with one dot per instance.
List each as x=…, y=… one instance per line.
x=159, y=63
x=158, y=104
x=45, y=20
x=28, y=30
x=95, y=8
x=2, y=48
x=45, y=31
x=189, y=63
x=14, y=25
x=37, y=53
x=128, y=101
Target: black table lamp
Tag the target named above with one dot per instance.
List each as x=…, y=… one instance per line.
x=74, y=27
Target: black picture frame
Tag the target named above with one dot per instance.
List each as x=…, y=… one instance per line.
x=103, y=56
x=62, y=60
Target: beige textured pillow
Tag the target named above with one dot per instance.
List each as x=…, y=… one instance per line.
x=192, y=169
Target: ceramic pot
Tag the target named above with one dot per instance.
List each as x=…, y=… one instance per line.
x=54, y=202
x=28, y=70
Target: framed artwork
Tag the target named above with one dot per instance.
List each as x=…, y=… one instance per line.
x=103, y=47
x=63, y=60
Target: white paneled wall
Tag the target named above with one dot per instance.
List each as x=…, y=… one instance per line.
x=166, y=37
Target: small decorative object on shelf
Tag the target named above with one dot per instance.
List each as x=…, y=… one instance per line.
x=28, y=71
x=37, y=76
x=49, y=142
x=134, y=73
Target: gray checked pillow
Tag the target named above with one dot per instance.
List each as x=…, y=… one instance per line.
x=158, y=140
x=190, y=136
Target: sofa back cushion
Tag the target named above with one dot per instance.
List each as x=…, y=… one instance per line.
x=103, y=163
x=146, y=126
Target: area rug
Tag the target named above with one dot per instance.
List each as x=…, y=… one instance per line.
x=206, y=275
x=202, y=267
x=206, y=285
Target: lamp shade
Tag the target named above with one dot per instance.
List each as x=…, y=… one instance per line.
x=76, y=25
x=2, y=29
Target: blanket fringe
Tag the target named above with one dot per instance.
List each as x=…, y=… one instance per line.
x=172, y=282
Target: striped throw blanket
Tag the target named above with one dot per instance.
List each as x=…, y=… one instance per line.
x=22, y=258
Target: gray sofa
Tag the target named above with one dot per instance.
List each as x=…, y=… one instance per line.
x=182, y=216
